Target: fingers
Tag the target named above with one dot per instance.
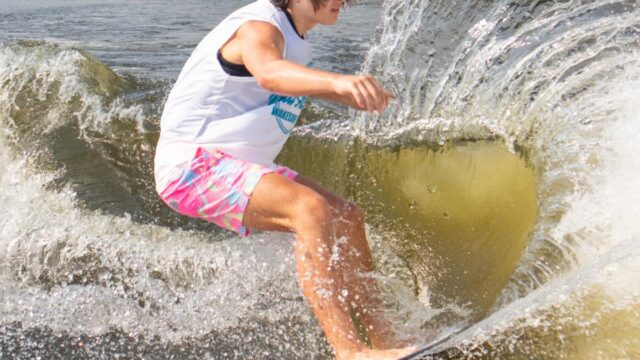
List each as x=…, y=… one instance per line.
x=389, y=95
x=365, y=92
x=376, y=97
x=370, y=93
x=359, y=98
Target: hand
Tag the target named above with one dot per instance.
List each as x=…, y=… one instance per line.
x=364, y=91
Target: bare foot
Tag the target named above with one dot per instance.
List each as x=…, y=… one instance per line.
x=375, y=354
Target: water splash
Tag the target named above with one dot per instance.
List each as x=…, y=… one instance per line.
x=556, y=81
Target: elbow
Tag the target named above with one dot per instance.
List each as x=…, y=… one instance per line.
x=267, y=81
x=271, y=77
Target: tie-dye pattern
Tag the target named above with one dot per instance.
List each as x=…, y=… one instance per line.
x=216, y=187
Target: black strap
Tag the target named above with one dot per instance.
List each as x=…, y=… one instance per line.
x=233, y=69
x=241, y=70
x=293, y=25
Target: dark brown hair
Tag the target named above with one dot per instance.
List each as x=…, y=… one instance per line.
x=282, y=4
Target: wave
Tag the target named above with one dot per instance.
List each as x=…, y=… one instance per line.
x=70, y=273
x=68, y=113
x=555, y=81
x=91, y=255
x=548, y=87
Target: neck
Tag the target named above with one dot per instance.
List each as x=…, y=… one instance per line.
x=303, y=23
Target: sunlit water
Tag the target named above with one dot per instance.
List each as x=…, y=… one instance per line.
x=500, y=188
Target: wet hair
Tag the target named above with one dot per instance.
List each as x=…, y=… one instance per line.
x=282, y=4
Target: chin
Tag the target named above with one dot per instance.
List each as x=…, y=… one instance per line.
x=329, y=21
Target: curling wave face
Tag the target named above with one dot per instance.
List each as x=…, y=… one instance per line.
x=500, y=190
x=557, y=82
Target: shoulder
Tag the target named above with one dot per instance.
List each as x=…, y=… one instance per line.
x=260, y=31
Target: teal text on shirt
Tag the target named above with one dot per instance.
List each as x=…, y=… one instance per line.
x=286, y=110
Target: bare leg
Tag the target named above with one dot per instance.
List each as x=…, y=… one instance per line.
x=279, y=204
x=356, y=263
x=283, y=205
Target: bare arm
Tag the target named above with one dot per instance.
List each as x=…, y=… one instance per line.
x=344, y=100
x=261, y=46
x=348, y=100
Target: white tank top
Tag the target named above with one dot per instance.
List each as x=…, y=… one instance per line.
x=211, y=109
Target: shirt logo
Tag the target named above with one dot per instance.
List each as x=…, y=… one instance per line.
x=286, y=110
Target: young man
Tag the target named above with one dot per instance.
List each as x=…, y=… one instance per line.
x=227, y=117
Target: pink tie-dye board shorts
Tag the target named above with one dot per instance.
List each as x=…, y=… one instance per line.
x=216, y=186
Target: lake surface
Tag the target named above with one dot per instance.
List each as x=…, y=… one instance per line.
x=500, y=188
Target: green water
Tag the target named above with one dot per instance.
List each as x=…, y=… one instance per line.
x=460, y=214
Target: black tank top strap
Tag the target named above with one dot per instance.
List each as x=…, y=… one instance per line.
x=293, y=25
x=233, y=69
x=241, y=70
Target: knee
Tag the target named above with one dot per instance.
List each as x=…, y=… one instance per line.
x=351, y=213
x=311, y=209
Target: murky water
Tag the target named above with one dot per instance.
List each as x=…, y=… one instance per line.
x=499, y=189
